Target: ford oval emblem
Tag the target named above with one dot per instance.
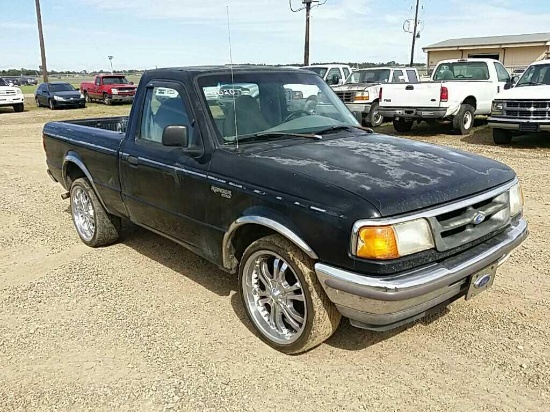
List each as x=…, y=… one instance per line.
x=478, y=218
x=482, y=281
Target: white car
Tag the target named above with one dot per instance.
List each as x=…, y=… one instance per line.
x=459, y=90
x=11, y=96
x=361, y=89
x=525, y=108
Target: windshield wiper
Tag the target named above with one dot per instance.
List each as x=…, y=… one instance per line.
x=344, y=127
x=260, y=135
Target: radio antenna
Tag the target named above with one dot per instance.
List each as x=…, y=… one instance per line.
x=232, y=78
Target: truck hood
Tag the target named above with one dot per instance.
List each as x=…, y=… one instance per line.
x=355, y=86
x=526, y=92
x=395, y=175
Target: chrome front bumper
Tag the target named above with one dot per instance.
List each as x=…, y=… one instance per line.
x=383, y=303
x=519, y=124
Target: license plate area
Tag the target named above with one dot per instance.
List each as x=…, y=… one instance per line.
x=528, y=127
x=481, y=281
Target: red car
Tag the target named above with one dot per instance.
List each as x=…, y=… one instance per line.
x=109, y=88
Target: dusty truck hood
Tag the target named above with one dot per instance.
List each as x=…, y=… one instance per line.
x=395, y=175
x=355, y=86
x=541, y=92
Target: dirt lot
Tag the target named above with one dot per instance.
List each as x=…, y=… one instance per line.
x=146, y=325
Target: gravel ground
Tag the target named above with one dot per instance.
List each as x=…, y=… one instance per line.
x=147, y=325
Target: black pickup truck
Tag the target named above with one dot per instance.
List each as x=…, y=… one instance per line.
x=320, y=217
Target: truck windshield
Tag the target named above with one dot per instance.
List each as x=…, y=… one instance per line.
x=369, y=76
x=462, y=71
x=3, y=82
x=321, y=71
x=115, y=80
x=536, y=75
x=257, y=105
x=61, y=87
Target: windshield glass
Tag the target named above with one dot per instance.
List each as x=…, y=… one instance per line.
x=3, y=82
x=115, y=80
x=271, y=104
x=535, y=75
x=370, y=76
x=321, y=71
x=462, y=71
x=61, y=87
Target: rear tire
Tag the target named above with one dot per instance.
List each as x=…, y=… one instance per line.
x=374, y=119
x=94, y=225
x=501, y=136
x=285, y=301
x=464, y=119
x=18, y=107
x=402, y=125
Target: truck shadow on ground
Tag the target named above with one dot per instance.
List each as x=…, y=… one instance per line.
x=523, y=142
x=426, y=130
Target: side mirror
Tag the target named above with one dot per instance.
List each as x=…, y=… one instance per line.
x=333, y=80
x=131, y=83
x=515, y=80
x=507, y=86
x=176, y=136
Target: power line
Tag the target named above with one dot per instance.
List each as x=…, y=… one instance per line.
x=307, y=6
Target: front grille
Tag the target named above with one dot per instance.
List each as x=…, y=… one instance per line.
x=125, y=89
x=466, y=224
x=527, y=109
x=346, y=97
x=8, y=93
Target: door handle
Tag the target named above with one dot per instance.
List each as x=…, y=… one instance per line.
x=410, y=87
x=133, y=161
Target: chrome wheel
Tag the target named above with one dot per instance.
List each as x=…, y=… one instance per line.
x=274, y=297
x=468, y=120
x=83, y=213
x=377, y=119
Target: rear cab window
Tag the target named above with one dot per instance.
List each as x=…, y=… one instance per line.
x=462, y=70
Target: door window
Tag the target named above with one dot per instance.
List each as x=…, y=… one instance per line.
x=97, y=81
x=398, y=76
x=332, y=75
x=346, y=72
x=163, y=107
x=413, y=78
x=502, y=73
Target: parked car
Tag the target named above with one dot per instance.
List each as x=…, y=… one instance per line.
x=460, y=89
x=361, y=90
x=109, y=88
x=13, y=81
x=525, y=108
x=11, y=96
x=333, y=74
x=319, y=216
x=58, y=94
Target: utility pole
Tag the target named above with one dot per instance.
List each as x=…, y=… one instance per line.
x=414, y=32
x=306, y=42
x=111, y=61
x=41, y=38
x=307, y=6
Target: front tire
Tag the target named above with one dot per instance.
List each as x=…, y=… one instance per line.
x=283, y=298
x=501, y=136
x=87, y=97
x=37, y=102
x=18, y=108
x=107, y=99
x=402, y=125
x=51, y=104
x=374, y=119
x=94, y=225
x=464, y=120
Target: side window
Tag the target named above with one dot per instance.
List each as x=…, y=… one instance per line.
x=396, y=76
x=97, y=81
x=502, y=73
x=163, y=107
x=346, y=72
x=413, y=78
x=332, y=73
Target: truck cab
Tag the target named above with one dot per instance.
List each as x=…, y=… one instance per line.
x=361, y=90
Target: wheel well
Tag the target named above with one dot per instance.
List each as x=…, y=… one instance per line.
x=72, y=173
x=471, y=100
x=245, y=235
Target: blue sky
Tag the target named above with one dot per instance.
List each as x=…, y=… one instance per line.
x=80, y=34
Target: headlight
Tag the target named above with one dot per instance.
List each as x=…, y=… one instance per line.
x=58, y=98
x=361, y=96
x=18, y=91
x=516, y=200
x=497, y=108
x=393, y=241
x=114, y=91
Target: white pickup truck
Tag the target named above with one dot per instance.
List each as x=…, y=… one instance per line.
x=361, y=89
x=459, y=89
x=333, y=74
x=11, y=96
x=525, y=108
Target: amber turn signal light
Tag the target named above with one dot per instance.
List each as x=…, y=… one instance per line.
x=378, y=242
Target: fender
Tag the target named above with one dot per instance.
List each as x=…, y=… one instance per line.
x=227, y=248
x=73, y=157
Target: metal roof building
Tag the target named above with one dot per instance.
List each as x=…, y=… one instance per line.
x=514, y=51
